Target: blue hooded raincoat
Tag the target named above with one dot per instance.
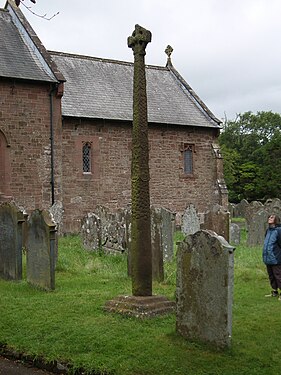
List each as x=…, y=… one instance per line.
x=272, y=246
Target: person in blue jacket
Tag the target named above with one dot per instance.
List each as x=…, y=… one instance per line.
x=272, y=255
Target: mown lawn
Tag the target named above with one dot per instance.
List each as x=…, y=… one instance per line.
x=69, y=324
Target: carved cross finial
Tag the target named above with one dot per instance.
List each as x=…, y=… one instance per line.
x=139, y=40
x=168, y=52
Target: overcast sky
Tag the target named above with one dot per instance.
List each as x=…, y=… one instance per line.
x=229, y=51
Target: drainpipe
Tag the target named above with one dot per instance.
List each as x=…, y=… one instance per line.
x=53, y=89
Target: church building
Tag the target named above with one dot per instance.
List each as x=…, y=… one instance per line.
x=66, y=124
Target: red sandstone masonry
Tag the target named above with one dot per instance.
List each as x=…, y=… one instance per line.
x=25, y=121
x=110, y=184
x=25, y=125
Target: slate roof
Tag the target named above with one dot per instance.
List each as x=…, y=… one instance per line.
x=20, y=57
x=101, y=88
x=97, y=88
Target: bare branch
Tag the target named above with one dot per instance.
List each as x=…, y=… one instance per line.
x=19, y=1
x=44, y=16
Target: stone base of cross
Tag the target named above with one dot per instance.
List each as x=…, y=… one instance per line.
x=140, y=307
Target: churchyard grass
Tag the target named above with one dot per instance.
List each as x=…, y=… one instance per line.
x=69, y=324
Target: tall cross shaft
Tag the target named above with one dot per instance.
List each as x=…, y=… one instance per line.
x=141, y=255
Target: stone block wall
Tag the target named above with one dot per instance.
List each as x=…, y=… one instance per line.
x=25, y=141
x=25, y=150
x=109, y=183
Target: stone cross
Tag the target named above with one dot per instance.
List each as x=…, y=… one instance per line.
x=168, y=52
x=141, y=254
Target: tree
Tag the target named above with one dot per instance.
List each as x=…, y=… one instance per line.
x=251, y=147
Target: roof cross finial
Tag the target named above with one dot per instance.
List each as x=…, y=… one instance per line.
x=168, y=52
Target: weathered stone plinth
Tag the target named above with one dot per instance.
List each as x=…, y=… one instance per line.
x=140, y=307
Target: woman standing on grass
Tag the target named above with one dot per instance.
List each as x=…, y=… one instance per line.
x=272, y=255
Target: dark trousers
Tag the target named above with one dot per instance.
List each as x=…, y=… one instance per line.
x=274, y=274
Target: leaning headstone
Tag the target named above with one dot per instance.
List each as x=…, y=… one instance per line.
x=11, y=220
x=190, y=221
x=235, y=234
x=40, y=259
x=204, y=290
x=217, y=219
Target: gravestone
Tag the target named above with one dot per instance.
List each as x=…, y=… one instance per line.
x=40, y=259
x=204, y=289
x=190, y=221
x=256, y=227
x=251, y=209
x=239, y=209
x=217, y=219
x=273, y=206
x=105, y=230
x=11, y=221
x=91, y=232
x=235, y=234
x=231, y=208
x=156, y=245
x=167, y=229
x=56, y=212
x=113, y=231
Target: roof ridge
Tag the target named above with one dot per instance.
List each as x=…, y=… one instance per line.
x=88, y=57
x=103, y=59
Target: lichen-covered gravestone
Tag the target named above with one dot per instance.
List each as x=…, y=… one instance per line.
x=41, y=241
x=235, y=234
x=204, y=290
x=105, y=230
x=218, y=220
x=190, y=220
x=11, y=220
x=91, y=232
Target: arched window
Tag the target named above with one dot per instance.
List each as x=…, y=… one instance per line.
x=188, y=150
x=87, y=157
x=188, y=163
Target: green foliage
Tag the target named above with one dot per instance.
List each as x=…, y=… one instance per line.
x=70, y=325
x=251, y=147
